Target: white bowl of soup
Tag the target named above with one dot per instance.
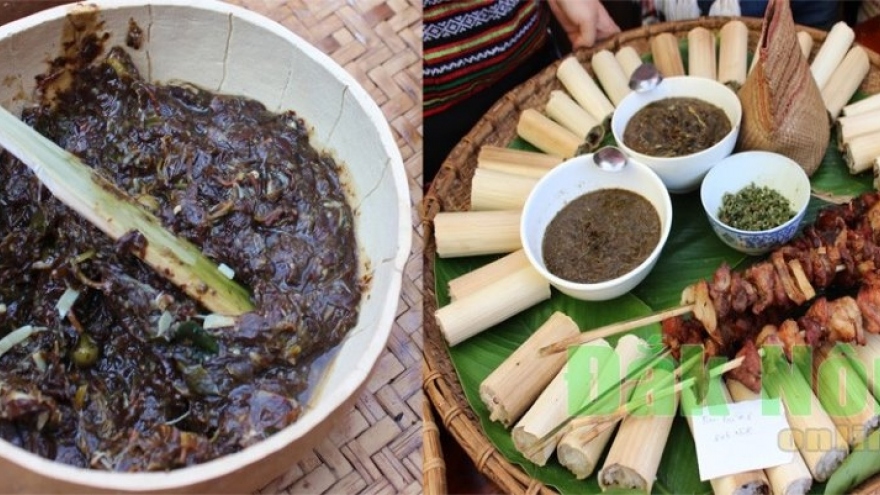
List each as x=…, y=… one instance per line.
x=680, y=129
x=223, y=49
x=596, y=234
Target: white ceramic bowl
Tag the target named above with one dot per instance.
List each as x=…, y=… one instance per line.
x=226, y=48
x=572, y=179
x=763, y=168
x=681, y=174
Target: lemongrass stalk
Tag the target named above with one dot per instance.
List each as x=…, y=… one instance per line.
x=581, y=447
x=753, y=481
x=844, y=394
x=532, y=435
x=791, y=478
x=815, y=434
x=111, y=210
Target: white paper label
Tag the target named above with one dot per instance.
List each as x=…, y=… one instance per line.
x=739, y=437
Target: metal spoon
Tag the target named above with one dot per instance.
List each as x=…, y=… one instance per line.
x=610, y=159
x=645, y=78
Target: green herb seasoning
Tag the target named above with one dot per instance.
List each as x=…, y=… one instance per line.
x=755, y=208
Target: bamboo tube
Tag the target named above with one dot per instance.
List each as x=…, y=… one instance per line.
x=546, y=135
x=561, y=108
x=869, y=356
x=748, y=482
x=815, y=434
x=489, y=273
x=701, y=53
x=733, y=53
x=583, y=89
x=635, y=454
x=850, y=126
x=864, y=105
x=667, y=57
x=474, y=233
x=580, y=448
x=845, y=80
x=552, y=408
x=466, y=317
x=806, y=43
x=512, y=388
x=629, y=60
x=840, y=391
x=876, y=170
x=614, y=80
x=494, y=190
x=861, y=151
x=513, y=161
x=791, y=478
x=831, y=52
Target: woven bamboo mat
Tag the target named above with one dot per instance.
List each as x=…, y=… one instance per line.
x=377, y=447
x=450, y=191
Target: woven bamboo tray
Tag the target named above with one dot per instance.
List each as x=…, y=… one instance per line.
x=450, y=191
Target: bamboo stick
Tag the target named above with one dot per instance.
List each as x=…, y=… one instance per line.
x=806, y=43
x=552, y=408
x=871, y=103
x=489, y=273
x=474, y=233
x=513, y=387
x=701, y=53
x=616, y=328
x=611, y=76
x=580, y=448
x=832, y=51
x=748, y=482
x=111, y=210
x=494, y=190
x=629, y=60
x=733, y=53
x=546, y=135
x=468, y=316
x=791, y=478
x=561, y=108
x=850, y=126
x=583, y=89
x=861, y=151
x=667, y=57
x=513, y=161
x=876, y=170
x=840, y=391
x=635, y=453
x=845, y=80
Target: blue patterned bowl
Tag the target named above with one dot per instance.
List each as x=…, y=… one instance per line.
x=762, y=168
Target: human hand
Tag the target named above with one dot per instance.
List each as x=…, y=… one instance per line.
x=584, y=21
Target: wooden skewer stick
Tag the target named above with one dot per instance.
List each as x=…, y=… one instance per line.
x=615, y=329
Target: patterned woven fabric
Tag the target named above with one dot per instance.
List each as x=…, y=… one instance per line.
x=471, y=44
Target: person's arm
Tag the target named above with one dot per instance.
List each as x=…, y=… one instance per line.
x=584, y=21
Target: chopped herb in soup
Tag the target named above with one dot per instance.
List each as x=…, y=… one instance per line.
x=600, y=236
x=126, y=373
x=676, y=126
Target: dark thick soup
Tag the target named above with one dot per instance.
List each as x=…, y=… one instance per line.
x=128, y=375
x=676, y=126
x=600, y=236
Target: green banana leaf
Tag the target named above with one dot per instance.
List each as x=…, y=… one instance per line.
x=692, y=252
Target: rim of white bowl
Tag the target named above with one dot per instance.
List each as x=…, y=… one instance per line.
x=606, y=284
x=734, y=127
x=207, y=471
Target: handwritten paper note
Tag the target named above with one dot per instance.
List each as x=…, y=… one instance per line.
x=739, y=437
